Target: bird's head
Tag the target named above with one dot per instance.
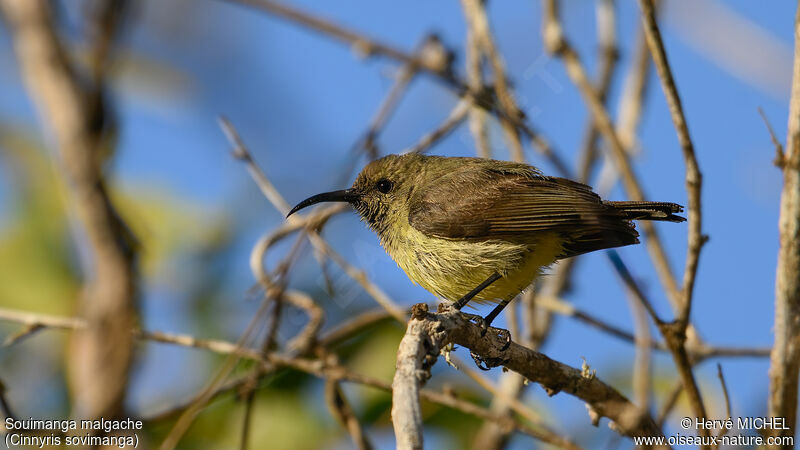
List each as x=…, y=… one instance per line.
x=381, y=192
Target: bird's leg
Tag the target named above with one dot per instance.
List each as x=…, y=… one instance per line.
x=496, y=311
x=471, y=294
x=487, y=322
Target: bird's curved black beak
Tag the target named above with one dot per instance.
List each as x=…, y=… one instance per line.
x=344, y=195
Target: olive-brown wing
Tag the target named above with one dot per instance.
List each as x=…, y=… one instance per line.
x=483, y=204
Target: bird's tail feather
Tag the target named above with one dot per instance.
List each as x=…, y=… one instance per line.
x=649, y=210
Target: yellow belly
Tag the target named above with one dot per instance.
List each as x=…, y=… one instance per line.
x=451, y=268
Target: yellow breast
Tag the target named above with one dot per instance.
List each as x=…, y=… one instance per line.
x=450, y=268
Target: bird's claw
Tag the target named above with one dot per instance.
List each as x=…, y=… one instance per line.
x=505, y=335
x=502, y=333
x=480, y=362
x=487, y=363
x=478, y=320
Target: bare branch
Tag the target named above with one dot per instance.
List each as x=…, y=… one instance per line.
x=102, y=352
x=241, y=152
x=785, y=360
x=453, y=120
x=481, y=32
x=339, y=408
x=694, y=178
x=430, y=48
x=428, y=332
x=353, y=326
x=477, y=116
x=609, y=55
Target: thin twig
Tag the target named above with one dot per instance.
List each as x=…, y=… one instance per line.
x=453, y=120
x=240, y=152
x=24, y=332
x=431, y=47
x=479, y=27
x=353, y=326
x=728, y=414
x=694, y=179
x=676, y=335
x=609, y=56
x=779, y=156
x=669, y=403
x=341, y=410
x=477, y=116
x=4, y=405
x=632, y=285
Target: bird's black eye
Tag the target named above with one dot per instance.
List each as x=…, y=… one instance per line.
x=385, y=186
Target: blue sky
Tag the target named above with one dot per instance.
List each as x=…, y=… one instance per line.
x=300, y=101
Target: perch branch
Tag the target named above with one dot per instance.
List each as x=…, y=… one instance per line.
x=428, y=332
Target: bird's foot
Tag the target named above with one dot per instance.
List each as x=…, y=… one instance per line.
x=503, y=334
x=479, y=321
x=486, y=363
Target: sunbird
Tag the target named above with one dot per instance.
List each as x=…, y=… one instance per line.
x=481, y=229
